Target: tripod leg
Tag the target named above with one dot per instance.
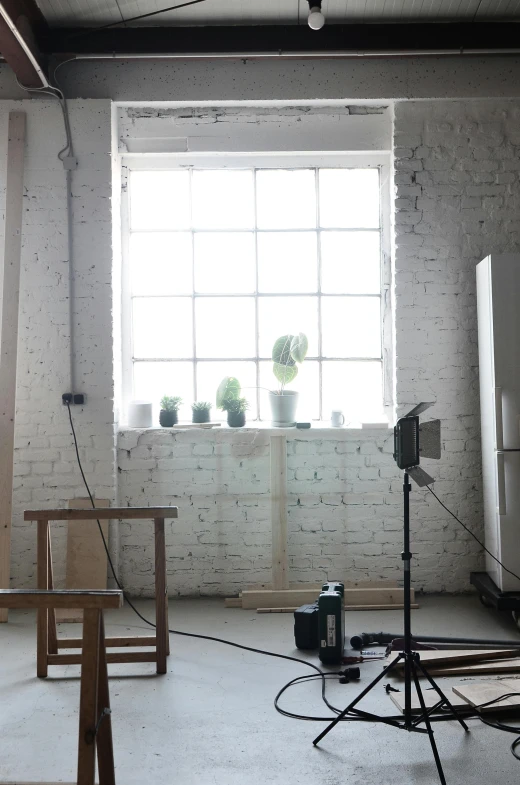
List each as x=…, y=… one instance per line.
x=356, y=700
x=428, y=724
x=436, y=687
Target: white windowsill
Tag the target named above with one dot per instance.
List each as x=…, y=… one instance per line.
x=323, y=429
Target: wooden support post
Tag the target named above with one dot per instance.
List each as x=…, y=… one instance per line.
x=88, y=702
x=51, y=619
x=279, y=511
x=160, y=595
x=42, y=630
x=105, y=750
x=9, y=299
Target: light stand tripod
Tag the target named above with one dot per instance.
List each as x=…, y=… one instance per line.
x=412, y=668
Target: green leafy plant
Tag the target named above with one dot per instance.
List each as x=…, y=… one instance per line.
x=235, y=405
x=228, y=389
x=170, y=404
x=201, y=406
x=288, y=350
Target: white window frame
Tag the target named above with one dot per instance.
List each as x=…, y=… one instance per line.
x=374, y=159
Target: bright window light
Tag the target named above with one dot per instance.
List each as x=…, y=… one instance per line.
x=221, y=262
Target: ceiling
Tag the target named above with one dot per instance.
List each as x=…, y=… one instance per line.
x=91, y=13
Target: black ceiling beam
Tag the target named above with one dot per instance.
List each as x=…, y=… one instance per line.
x=283, y=39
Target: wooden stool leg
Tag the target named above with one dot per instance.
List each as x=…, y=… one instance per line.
x=51, y=616
x=42, y=634
x=88, y=704
x=166, y=620
x=160, y=595
x=105, y=750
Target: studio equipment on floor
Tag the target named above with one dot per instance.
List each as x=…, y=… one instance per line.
x=412, y=441
x=321, y=625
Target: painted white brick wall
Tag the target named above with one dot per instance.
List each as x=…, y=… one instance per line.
x=457, y=195
x=45, y=471
x=457, y=198
x=345, y=512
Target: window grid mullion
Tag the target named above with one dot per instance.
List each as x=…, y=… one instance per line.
x=257, y=295
x=193, y=308
x=257, y=314
x=318, y=251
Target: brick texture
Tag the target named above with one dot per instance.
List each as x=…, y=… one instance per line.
x=45, y=471
x=457, y=197
x=345, y=512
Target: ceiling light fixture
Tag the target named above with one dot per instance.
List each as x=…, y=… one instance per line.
x=315, y=19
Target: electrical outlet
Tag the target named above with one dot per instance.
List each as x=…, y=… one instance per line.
x=77, y=398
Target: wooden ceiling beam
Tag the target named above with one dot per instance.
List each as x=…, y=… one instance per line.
x=21, y=24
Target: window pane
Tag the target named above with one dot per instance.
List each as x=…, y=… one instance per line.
x=159, y=200
x=223, y=199
x=306, y=383
x=281, y=315
x=209, y=376
x=161, y=263
x=287, y=262
x=224, y=262
x=350, y=262
x=225, y=326
x=154, y=380
x=351, y=326
x=354, y=387
x=162, y=327
x=286, y=199
x=349, y=198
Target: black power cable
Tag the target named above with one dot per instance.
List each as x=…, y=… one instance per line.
x=321, y=674
x=473, y=535
x=324, y=676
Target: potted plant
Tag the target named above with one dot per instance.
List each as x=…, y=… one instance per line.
x=288, y=350
x=169, y=414
x=200, y=411
x=236, y=411
x=229, y=400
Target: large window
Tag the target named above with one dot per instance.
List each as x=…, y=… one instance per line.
x=222, y=261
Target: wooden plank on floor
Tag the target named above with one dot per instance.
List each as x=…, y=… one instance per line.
x=395, y=606
x=478, y=668
x=317, y=586
x=9, y=302
x=431, y=697
x=233, y=602
x=86, y=557
x=483, y=692
x=296, y=597
x=455, y=657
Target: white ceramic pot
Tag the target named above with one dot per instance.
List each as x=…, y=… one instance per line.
x=283, y=408
x=140, y=414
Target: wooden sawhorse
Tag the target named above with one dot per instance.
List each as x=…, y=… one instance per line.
x=95, y=724
x=48, y=643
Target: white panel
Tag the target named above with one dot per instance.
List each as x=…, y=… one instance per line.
x=498, y=284
x=505, y=281
x=487, y=414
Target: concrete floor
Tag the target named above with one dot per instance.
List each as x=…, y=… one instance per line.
x=211, y=721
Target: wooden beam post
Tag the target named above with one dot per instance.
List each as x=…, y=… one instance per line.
x=10, y=295
x=279, y=511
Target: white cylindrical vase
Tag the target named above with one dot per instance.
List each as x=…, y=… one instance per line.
x=140, y=414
